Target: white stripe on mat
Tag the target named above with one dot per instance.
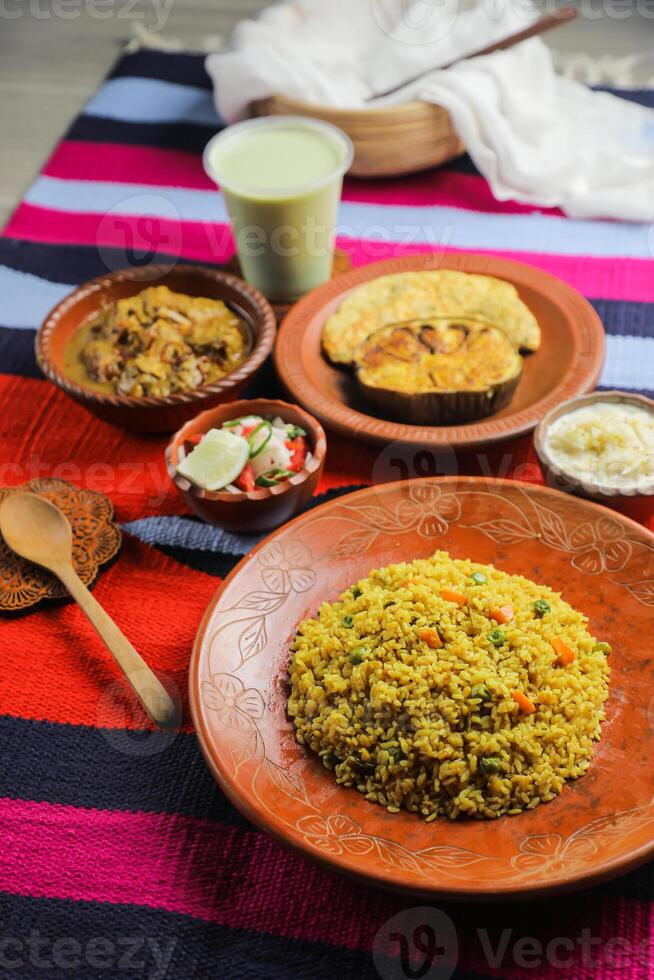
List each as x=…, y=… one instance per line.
x=432, y=224
x=102, y=197
x=149, y=100
x=25, y=299
x=629, y=363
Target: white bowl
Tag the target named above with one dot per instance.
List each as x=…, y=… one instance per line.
x=567, y=481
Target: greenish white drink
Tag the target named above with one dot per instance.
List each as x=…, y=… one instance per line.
x=281, y=177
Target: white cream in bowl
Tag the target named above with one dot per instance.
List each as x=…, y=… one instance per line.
x=610, y=443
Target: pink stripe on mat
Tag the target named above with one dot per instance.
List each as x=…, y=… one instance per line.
x=445, y=188
x=168, y=862
x=203, y=241
x=177, y=864
x=602, y=278
x=221, y=874
x=121, y=163
x=597, y=277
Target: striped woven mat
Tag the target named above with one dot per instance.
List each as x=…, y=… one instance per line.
x=120, y=857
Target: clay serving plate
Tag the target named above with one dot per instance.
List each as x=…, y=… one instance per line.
x=566, y=481
x=603, y=563
x=266, y=507
x=151, y=414
x=568, y=362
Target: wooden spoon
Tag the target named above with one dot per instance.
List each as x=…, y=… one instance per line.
x=37, y=531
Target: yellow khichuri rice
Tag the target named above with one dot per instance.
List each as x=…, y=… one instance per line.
x=449, y=688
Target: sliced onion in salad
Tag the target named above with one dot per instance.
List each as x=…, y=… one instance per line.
x=276, y=451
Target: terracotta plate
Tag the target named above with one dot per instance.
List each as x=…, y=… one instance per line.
x=151, y=413
x=603, y=563
x=568, y=363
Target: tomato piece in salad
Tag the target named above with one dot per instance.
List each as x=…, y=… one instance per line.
x=269, y=451
x=298, y=449
x=245, y=480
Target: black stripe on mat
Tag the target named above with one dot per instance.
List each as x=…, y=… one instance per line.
x=463, y=165
x=114, y=769
x=181, y=68
x=209, y=562
x=642, y=96
x=646, y=392
x=17, y=357
x=124, y=942
x=221, y=564
x=110, y=769
x=76, y=263
x=71, y=263
x=17, y=353
x=164, y=136
x=127, y=941
x=622, y=319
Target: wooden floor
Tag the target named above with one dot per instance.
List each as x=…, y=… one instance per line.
x=49, y=66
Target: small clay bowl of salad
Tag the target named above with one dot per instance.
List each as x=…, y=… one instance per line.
x=249, y=465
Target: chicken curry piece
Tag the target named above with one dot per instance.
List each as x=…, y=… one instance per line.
x=160, y=342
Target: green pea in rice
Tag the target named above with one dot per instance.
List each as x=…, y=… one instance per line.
x=438, y=731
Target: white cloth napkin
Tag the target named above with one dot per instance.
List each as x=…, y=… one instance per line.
x=536, y=137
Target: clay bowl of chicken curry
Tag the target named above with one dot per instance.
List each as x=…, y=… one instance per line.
x=148, y=348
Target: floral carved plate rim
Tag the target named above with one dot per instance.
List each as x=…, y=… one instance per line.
x=96, y=541
x=249, y=744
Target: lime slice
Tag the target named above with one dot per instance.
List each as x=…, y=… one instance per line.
x=216, y=461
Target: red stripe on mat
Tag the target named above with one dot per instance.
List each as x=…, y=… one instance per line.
x=602, y=278
x=63, y=440
x=55, y=668
x=45, y=433
x=246, y=881
x=129, y=164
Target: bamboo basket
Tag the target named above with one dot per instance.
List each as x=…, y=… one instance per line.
x=387, y=142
